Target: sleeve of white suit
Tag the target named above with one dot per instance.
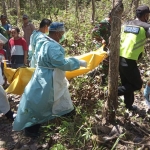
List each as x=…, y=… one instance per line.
x=4, y=104
x=1, y=76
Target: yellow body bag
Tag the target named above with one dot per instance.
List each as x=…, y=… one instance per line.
x=19, y=78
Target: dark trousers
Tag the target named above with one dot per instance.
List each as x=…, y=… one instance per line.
x=33, y=129
x=130, y=79
x=6, y=47
x=15, y=66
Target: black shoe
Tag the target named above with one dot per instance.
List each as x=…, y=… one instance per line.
x=132, y=108
x=31, y=134
x=32, y=131
x=70, y=114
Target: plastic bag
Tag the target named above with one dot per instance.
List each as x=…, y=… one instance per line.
x=19, y=78
x=93, y=59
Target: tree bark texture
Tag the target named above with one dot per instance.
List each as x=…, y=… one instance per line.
x=112, y=101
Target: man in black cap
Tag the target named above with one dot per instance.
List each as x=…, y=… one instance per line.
x=133, y=38
x=28, y=28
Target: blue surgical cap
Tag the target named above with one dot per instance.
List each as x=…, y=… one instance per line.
x=57, y=26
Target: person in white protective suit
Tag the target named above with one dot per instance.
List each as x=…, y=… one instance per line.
x=4, y=103
x=46, y=96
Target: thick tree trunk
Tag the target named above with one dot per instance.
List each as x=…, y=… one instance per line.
x=111, y=104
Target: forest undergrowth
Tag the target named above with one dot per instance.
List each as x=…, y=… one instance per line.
x=85, y=130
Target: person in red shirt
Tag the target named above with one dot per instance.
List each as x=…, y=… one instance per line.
x=18, y=49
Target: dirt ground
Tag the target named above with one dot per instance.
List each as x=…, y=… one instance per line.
x=10, y=140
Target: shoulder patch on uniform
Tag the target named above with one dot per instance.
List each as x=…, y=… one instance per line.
x=131, y=29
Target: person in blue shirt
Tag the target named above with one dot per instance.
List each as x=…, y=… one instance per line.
x=7, y=27
x=46, y=96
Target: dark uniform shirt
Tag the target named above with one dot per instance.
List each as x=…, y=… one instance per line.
x=101, y=32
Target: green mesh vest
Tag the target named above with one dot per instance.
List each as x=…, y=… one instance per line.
x=132, y=43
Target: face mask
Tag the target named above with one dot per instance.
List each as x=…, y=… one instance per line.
x=47, y=33
x=62, y=39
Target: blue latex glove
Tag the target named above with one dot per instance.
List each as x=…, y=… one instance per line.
x=147, y=93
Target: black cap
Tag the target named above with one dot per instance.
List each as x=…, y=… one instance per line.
x=143, y=9
x=3, y=16
x=25, y=16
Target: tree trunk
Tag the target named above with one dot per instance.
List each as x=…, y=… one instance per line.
x=4, y=8
x=111, y=104
x=135, y=5
x=66, y=5
x=77, y=4
x=93, y=11
x=18, y=11
x=113, y=3
x=31, y=7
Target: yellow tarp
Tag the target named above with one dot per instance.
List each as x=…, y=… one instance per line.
x=18, y=78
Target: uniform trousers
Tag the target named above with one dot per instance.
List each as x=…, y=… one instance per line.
x=130, y=80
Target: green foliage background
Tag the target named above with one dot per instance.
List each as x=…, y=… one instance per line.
x=85, y=92
x=75, y=14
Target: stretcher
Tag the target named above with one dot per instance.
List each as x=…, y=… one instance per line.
x=19, y=78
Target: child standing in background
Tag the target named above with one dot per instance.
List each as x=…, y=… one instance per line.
x=18, y=49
